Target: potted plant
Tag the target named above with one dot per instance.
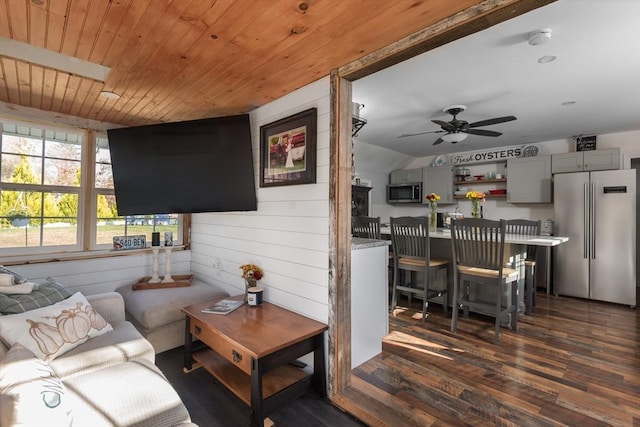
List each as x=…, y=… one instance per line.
x=18, y=217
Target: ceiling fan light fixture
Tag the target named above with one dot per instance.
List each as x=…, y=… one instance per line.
x=109, y=95
x=454, y=137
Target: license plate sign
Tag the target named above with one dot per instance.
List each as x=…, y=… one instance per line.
x=123, y=243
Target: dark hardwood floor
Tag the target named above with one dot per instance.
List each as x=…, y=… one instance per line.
x=211, y=405
x=573, y=362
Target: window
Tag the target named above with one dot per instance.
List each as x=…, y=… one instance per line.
x=56, y=193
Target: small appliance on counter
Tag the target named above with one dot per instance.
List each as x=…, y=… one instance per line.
x=449, y=216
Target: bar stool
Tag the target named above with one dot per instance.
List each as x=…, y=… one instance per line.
x=410, y=242
x=369, y=228
x=366, y=227
x=478, y=257
x=525, y=227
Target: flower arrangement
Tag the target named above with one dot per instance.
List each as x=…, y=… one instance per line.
x=251, y=271
x=476, y=197
x=433, y=200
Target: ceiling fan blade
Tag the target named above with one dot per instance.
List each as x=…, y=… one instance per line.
x=438, y=141
x=404, y=135
x=444, y=125
x=482, y=132
x=492, y=121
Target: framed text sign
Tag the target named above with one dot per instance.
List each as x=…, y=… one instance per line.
x=493, y=155
x=585, y=143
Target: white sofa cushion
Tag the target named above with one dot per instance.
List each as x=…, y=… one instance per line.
x=51, y=331
x=153, y=308
x=122, y=344
x=30, y=392
x=127, y=394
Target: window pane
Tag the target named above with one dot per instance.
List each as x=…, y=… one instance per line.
x=21, y=169
x=19, y=237
x=54, y=215
x=62, y=172
x=109, y=224
x=63, y=150
x=59, y=233
x=14, y=203
x=21, y=145
x=104, y=175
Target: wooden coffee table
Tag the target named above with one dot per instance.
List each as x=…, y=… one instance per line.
x=250, y=349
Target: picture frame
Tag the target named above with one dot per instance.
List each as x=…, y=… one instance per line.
x=288, y=150
x=585, y=143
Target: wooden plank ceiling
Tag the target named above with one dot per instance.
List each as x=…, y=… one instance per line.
x=188, y=59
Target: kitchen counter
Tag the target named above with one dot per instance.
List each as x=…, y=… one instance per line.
x=369, y=297
x=360, y=243
x=442, y=233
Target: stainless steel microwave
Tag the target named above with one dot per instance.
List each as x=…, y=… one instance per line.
x=404, y=193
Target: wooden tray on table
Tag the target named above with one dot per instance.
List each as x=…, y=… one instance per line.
x=179, y=281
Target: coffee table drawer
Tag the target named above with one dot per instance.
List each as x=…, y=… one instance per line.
x=235, y=354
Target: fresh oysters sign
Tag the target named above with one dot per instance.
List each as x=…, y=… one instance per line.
x=493, y=155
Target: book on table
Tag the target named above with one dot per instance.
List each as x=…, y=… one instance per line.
x=224, y=306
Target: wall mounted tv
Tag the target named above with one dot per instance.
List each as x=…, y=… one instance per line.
x=185, y=167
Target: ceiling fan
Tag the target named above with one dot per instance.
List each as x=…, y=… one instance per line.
x=457, y=130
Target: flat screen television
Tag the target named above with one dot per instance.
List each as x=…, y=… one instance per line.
x=184, y=167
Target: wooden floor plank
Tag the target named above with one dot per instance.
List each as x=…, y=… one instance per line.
x=572, y=362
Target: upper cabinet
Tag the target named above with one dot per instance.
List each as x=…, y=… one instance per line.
x=403, y=176
x=582, y=161
x=438, y=180
x=529, y=180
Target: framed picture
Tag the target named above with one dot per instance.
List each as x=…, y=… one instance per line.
x=288, y=150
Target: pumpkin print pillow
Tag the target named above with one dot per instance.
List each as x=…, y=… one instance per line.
x=53, y=330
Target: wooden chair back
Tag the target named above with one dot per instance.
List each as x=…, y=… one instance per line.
x=366, y=227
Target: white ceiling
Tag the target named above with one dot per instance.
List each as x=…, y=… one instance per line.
x=495, y=73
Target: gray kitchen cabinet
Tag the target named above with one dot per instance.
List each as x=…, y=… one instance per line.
x=582, y=161
x=438, y=180
x=402, y=176
x=529, y=180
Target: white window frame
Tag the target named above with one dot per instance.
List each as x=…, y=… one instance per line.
x=86, y=243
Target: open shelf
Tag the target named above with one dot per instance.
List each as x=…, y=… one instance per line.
x=486, y=196
x=239, y=382
x=481, y=181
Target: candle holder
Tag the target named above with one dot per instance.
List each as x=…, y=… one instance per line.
x=155, y=278
x=167, y=265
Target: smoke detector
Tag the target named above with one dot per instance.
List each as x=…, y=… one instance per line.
x=539, y=37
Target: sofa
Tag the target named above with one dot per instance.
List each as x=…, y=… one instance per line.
x=108, y=379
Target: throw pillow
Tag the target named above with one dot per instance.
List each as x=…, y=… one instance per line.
x=48, y=292
x=16, y=277
x=30, y=392
x=6, y=279
x=52, y=331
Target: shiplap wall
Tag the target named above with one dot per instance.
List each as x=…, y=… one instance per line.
x=288, y=236
x=98, y=275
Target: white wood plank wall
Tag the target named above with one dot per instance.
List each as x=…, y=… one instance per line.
x=94, y=276
x=287, y=236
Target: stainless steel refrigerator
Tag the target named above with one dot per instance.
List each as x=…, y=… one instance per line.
x=597, y=211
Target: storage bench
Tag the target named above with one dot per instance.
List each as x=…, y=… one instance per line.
x=157, y=314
